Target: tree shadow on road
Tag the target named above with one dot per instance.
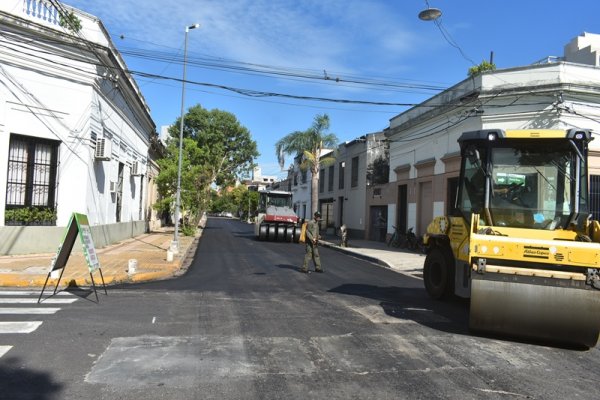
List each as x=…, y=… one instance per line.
x=18, y=383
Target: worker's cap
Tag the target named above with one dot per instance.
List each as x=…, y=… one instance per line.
x=317, y=214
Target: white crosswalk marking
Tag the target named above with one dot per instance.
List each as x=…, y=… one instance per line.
x=31, y=293
x=21, y=303
x=19, y=327
x=18, y=300
x=4, y=350
x=29, y=310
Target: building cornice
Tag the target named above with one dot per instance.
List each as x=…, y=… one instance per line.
x=402, y=168
x=449, y=157
x=474, y=94
x=425, y=163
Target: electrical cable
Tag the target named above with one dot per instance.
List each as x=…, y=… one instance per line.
x=451, y=41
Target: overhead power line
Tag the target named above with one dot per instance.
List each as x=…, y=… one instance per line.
x=23, y=48
x=259, y=69
x=259, y=94
x=24, y=51
x=256, y=93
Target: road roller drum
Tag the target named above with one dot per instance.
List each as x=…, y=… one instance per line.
x=550, y=312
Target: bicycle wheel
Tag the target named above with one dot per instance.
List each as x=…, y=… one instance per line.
x=391, y=239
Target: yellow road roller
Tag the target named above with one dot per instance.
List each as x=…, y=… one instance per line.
x=521, y=242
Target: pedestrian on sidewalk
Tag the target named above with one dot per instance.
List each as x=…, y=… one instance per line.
x=344, y=234
x=312, y=242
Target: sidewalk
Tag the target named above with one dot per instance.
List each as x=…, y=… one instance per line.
x=399, y=260
x=150, y=251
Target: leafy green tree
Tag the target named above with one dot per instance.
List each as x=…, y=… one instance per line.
x=249, y=203
x=194, y=179
x=238, y=200
x=246, y=201
x=223, y=202
x=310, y=143
x=216, y=149
x=237, y=195
x=378, y=171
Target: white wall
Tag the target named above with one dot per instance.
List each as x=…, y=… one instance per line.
x=56, y=98
x=301, y=194
x=32, y=108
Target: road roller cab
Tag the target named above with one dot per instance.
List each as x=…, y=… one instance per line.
x=275, y=217
x=521, y=243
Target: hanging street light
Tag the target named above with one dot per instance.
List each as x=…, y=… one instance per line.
x=430, y=14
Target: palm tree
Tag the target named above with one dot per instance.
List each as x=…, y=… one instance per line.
x=310, y=143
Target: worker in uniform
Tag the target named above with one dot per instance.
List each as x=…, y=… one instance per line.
x=312, y=241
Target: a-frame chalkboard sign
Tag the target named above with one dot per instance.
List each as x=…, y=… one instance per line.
x=78, y=226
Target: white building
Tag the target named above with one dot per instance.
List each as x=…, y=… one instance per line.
x=75, y=131
x=424, y=153
x=257, y=176
x=300, y=188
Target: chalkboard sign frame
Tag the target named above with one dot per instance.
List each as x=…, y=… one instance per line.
x=78, y=227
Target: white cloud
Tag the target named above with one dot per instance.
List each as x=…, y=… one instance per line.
x=333, y=35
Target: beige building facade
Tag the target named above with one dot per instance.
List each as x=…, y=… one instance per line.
x=424, y=153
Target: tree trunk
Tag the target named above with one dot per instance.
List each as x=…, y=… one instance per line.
x=314, y=190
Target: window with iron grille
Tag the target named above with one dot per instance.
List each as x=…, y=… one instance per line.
x=31, y=180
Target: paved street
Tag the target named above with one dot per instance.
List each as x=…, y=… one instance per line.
x=242, y=323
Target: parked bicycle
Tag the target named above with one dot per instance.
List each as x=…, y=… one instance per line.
x=408, y=240
x=414, y=242
x=398, y=238
x=394, y=240
x=411, y=239
x=421, y=248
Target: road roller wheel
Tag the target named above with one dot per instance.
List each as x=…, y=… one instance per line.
x=272, y=233
x=280, y=233
x=297, y=231
x=263, y=232
x=289, y=234
x=438, y=274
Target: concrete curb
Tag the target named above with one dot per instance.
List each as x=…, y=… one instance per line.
x=356, y=254
x=157, y=271
x=175, y=269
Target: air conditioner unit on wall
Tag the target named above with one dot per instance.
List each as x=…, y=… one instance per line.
x=136, y=168
x=103, y=149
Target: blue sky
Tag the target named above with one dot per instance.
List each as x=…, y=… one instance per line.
x=380, y=51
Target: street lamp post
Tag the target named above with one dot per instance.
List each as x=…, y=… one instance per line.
x=175, y=242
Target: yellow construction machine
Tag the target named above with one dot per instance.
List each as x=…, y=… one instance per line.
x=521, y=243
